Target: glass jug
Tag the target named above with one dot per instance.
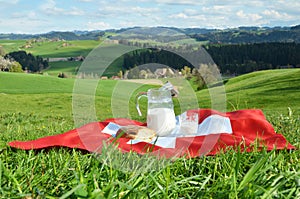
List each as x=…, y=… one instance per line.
x=160, y=113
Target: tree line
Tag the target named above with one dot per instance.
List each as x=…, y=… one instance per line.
x=231, y=59
x=27, y=61
x=152, y=55
x=244, y=58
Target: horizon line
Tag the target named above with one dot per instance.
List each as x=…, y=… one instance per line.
x=131, y=27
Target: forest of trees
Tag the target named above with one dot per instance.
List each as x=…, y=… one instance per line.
x=232, y=59
x=140, y=57
x=28, y=61
x=244, y=58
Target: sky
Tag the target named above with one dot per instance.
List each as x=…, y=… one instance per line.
x=36, y=16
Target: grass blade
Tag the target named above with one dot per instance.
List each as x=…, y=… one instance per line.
x=252, y=172
x=69, y=193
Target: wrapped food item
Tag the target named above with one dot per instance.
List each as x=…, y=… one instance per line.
x=136, y=133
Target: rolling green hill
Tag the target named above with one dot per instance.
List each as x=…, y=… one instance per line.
x=51, y=48
x=63, y=48
x=271, y=90
x=19, y=83
x=67, y=67
x=51, y=96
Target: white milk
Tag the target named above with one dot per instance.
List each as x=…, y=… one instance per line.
x=161, y=120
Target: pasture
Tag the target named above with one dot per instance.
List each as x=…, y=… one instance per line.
x=51, y=48
x=34, y=106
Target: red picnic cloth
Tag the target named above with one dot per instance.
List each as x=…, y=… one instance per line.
x=250, y=130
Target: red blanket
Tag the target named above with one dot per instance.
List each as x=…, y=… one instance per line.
x=250, y=131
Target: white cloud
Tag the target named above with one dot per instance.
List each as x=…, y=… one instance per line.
x=129, y=14
x=273, y=14
x=179, y=16
x=217, y=9
x=248, y=17
x=178, y=2
x=189, y=17
x=127, y=10
x=75, y=12
x=104, y=14
x=191, y=11
x=24, y=25
x=143, y=10
x=124, y=24
x=241, y=14
x=30, y=15
x=98, y=25
x=291, y=6
x=50, y=8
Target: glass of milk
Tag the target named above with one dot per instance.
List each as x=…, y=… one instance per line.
x=160, y=113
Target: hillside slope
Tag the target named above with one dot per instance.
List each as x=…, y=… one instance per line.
x=270, y=90
x=20, y=83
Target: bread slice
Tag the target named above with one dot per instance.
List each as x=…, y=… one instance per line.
x=136, y=133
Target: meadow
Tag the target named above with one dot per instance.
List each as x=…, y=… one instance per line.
x=54, y=49
x=51, y=48
x=66, y=67
x=34, y=106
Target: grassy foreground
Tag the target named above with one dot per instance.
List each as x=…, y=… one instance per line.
x=33, y=106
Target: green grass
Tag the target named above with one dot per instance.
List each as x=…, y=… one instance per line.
x=19, y=83
x=12, y=45
x=278, y=87
x=48, y=96
x=67, y=67
x=34, y=106
x=49, y=48
x=56, y=49
x=270, y=90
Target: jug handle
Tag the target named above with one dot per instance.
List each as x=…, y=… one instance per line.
x=138, y=97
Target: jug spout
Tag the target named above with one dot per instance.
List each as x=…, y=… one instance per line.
x=168, y=86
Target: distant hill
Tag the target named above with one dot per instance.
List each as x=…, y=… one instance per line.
x=75, y=35
x=232, y=35
x=251, y=35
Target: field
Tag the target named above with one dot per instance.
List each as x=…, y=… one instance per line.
x=48, y=48
x=66, y=67
x=34, y=106
x=53, y=49
x=271, y=90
